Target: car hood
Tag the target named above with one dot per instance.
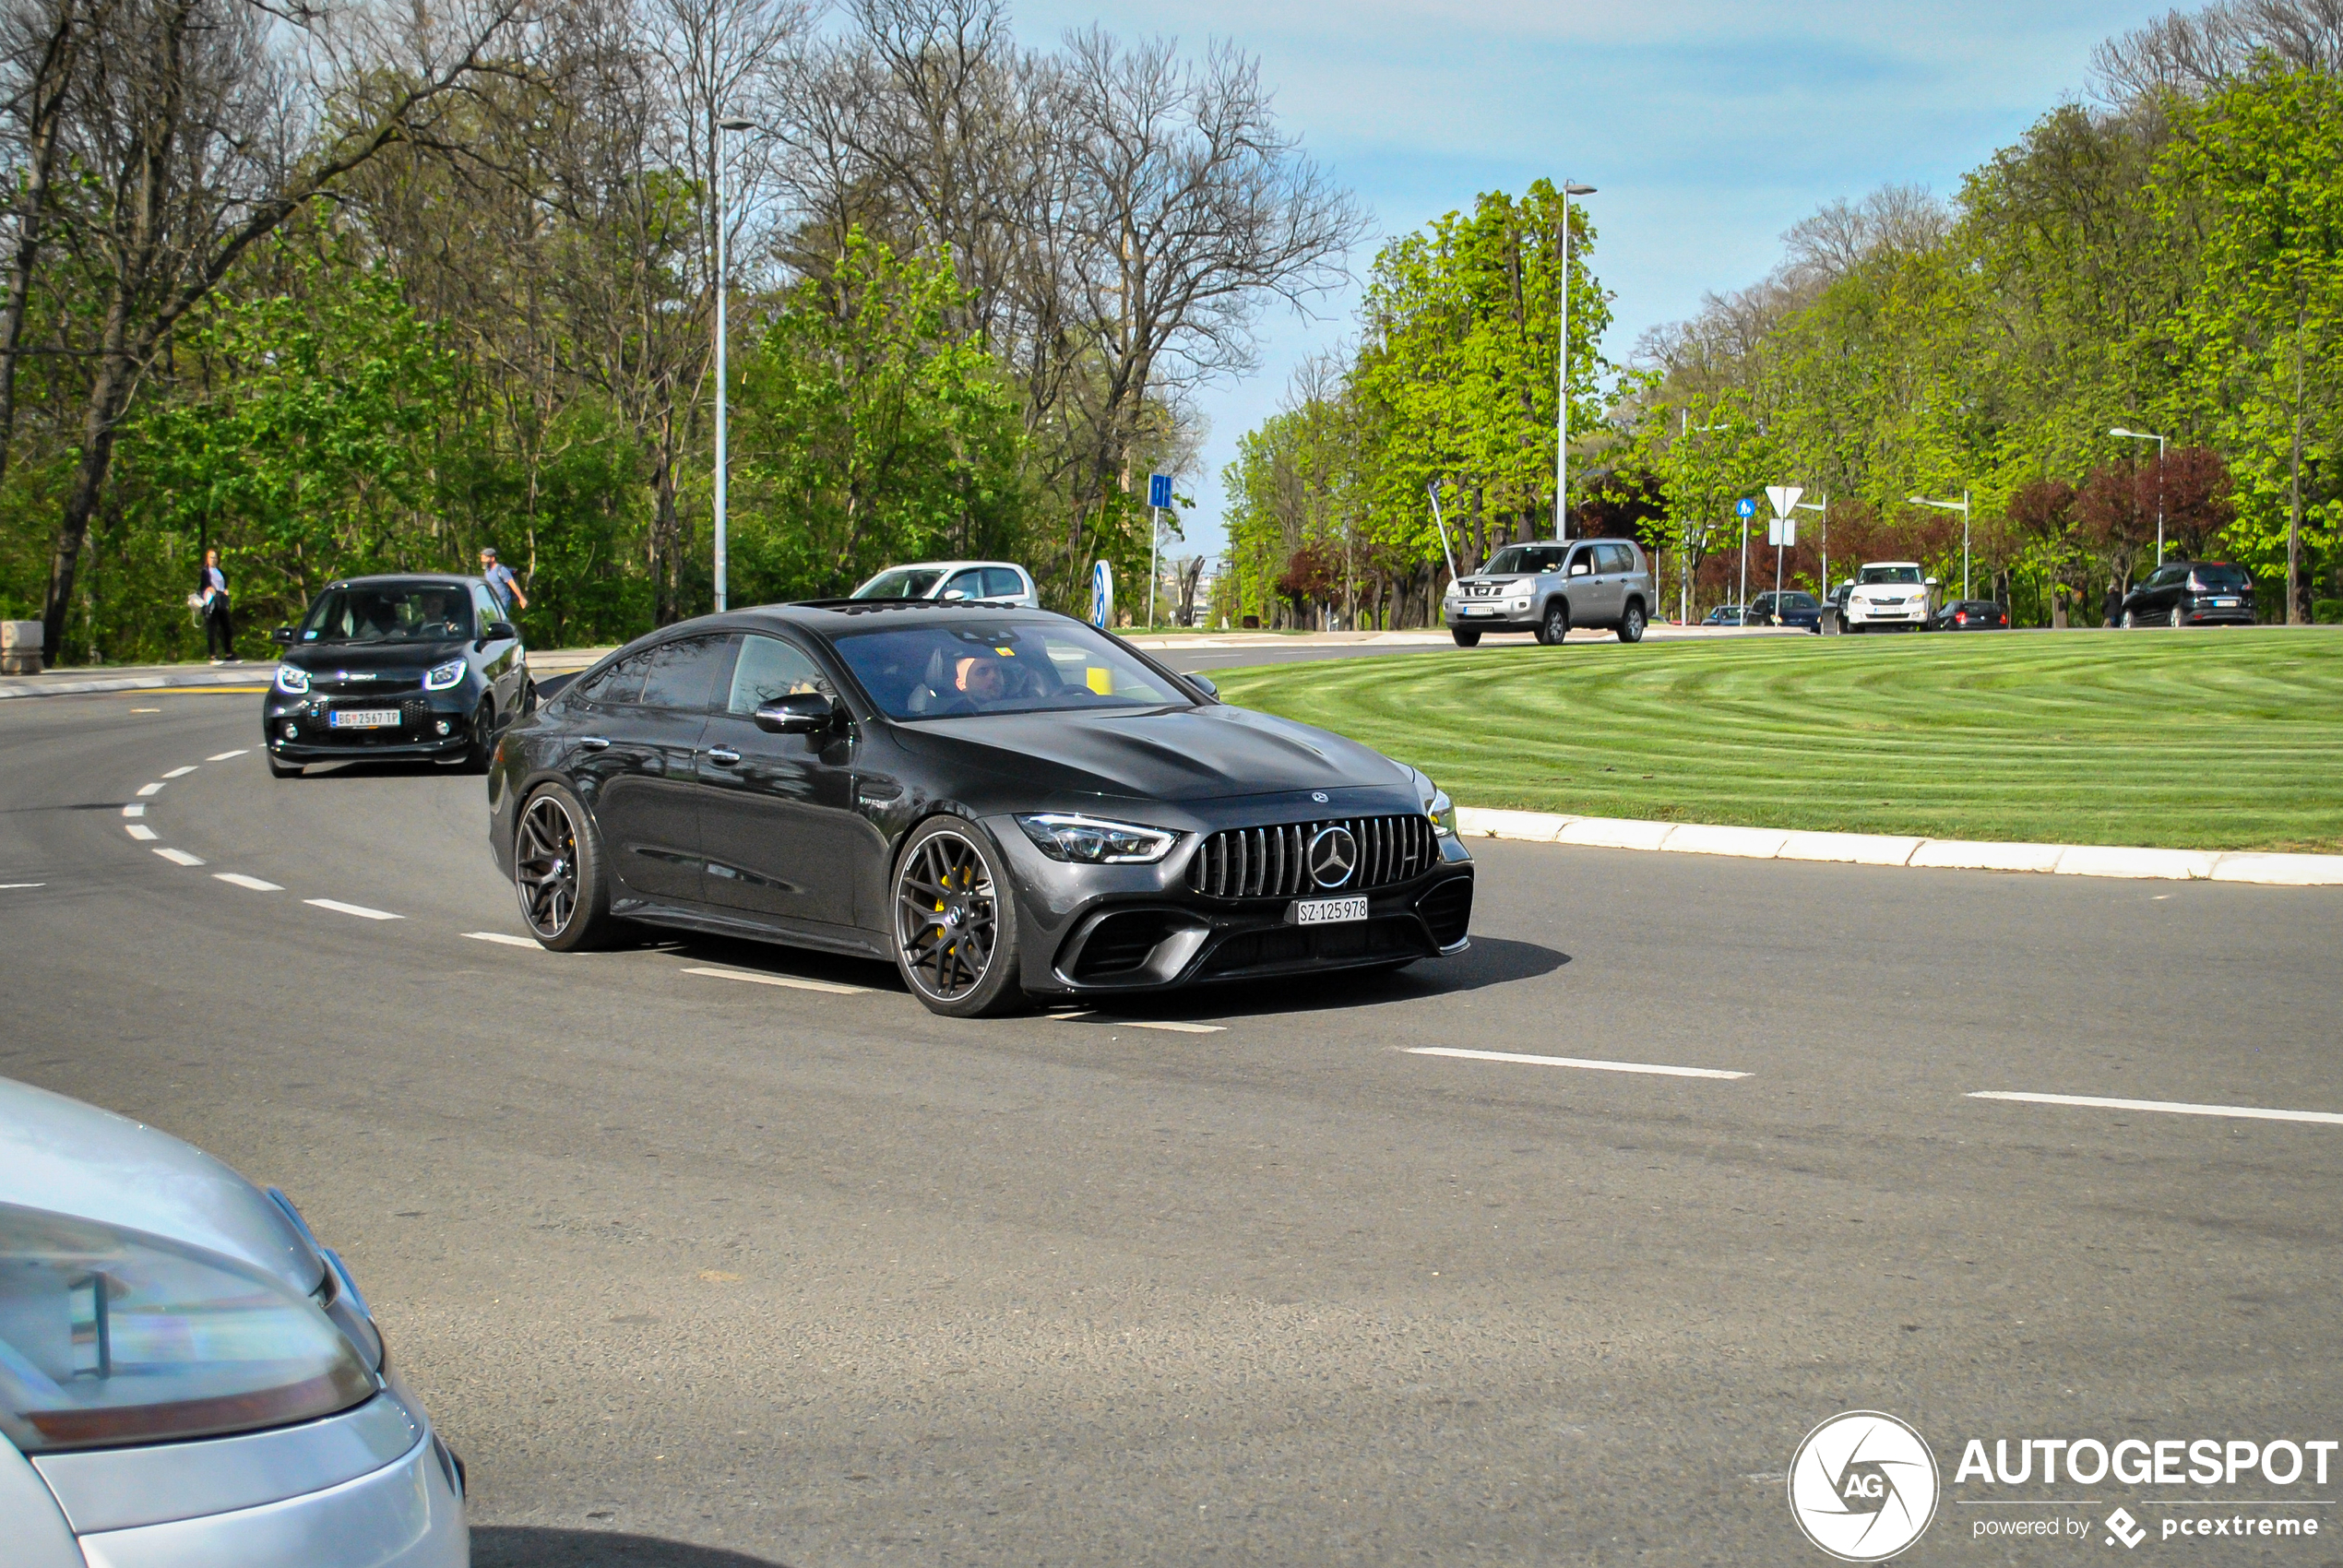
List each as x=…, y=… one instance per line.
x=1199, y=753
x=375, y=658
x=64, y=1156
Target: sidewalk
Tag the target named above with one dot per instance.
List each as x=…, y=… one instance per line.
x=77, y=681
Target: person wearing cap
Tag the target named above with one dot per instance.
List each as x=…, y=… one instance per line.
x=501, y=580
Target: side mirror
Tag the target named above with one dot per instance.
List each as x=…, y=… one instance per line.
x=1934, y=582
x=499, y=631
x=1579, y=568
x=800, y=713
x=1204, y=683
x=284, y=635
x=952, y=596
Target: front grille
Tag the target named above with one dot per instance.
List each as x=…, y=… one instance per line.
x=357, y=689
x=1273, y=863
x=414, y=726
x=1393, y=936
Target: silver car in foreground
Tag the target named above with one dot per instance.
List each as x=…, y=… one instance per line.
x=187, y=1380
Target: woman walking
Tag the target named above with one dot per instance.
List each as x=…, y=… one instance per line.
x=211, y=591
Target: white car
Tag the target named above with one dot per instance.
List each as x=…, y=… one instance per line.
x=990, y=582
x=186, y=1376
x=1890, y=595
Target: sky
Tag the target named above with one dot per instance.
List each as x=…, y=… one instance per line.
x=1707, y=127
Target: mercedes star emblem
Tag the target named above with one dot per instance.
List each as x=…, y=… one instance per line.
x=1334, y=855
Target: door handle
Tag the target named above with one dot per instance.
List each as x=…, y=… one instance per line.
x=722, y=756
x=593, y=742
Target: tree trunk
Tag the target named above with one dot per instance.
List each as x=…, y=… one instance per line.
x=2294, y=616
x=45, y=99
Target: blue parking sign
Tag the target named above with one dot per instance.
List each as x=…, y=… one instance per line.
x=1159, y=490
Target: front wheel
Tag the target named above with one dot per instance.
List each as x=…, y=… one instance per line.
x=1554, y=625
x=559, y=874
x=1465, y=638
x=1631, y=624
x=2130, y=622
x=955, y=921
x=482, y=745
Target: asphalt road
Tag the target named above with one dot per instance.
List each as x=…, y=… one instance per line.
x=697, y=1271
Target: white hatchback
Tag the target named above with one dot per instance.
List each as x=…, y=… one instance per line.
x=987, y=582
x=1890, y=594
x=186, y=1377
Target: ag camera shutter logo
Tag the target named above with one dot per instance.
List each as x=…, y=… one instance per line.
x=1864, y=1485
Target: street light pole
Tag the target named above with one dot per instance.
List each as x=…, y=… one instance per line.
x=2149, y=436
x=1961, y=506
x=1684, y=571
x=1562, y=413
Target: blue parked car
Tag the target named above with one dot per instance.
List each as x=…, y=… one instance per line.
x=1788, y=607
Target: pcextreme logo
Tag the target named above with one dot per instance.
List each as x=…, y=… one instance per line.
x=1864, y=1485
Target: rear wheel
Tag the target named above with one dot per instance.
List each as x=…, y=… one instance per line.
x=1631, y=624
x=955, y=921
x=1554, y=625
x=1465, y=638
x=2179, y=619
x=558, y=872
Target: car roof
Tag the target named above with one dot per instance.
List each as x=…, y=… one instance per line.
x=429, y=579
x=940, y=566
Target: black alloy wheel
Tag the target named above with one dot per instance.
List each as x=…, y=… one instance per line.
x=483, y=744
x=955, y=921
x=1631, y=624
x=1555, y=625
x=1465, y=636
x=558, y=873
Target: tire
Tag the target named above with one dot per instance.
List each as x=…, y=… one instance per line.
x=1631, y=624
x=1554, y=625
x=482, y=745
x=963, y=965
x=2130, y=622
x=560, y=874
x=2179, y=619
x=284, y=770
x=1466, y=639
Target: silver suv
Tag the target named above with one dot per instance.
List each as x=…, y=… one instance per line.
x=1549, y=586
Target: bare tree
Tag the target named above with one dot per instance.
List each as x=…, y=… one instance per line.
x=41, y=48
x=2187, y=52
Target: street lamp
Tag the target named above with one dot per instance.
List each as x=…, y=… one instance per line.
x=722, y=289
x=2145, y=435
x=1561, y=415
x=1961, y=506
x=1683, y=573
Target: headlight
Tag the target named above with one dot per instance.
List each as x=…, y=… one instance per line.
x=1436, y=804
x=110, y=1337
x=444, y=676
x=1068, y=838
x=291, y=679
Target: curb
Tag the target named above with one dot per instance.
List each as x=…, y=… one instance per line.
x=1885, y=849
x=256, y=673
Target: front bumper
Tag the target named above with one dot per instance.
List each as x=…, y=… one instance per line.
x=1886, y=616
x=1100, y=931
x=1488, y=616
x=431, y=725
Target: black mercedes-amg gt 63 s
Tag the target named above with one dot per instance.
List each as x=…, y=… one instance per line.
x=1005, y=803
x=384, y=669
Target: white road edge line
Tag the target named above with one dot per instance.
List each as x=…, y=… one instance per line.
x=149, y=788
x=791, y=982
x=2169, y=1107
x=363, y=913
x=224, y=756
x=1574, y=1061
x=241, y=880
x=136, y=808
x=180, y=772
x=503, y=937
x=140, y=831
x=180, y=857
x=1169, y=1025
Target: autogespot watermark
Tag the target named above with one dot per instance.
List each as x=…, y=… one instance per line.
x=1864, y=1486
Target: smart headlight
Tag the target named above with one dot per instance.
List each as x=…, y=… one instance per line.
x=1436, y=804
x=291, y=679
x=1065, y=837
x=443, y=676
x=112, y=1337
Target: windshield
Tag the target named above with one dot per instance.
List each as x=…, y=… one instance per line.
x=961, y=665
x=1888, y=574
x=392, y=613
x=1523, y=560
x=901, y=582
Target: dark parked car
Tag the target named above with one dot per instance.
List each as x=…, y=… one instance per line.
x=422, y=667
x=2191, y=593
x=1001, y=802
x=1788, y=608
x=1550, y=585
x=1972, y=615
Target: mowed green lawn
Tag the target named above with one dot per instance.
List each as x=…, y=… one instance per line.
x=2216, y=739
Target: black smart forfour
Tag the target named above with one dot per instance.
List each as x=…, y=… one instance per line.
x=1004, y=802
x=422, y=667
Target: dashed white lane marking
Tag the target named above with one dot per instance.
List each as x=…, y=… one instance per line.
x=241, y=880
x=224, y=756
x=791, y=982
x=1169, y=1025
x=1591, y=1066
x=2169, y=1107
x=505, y=938
x=140, y=831
x=180, y=772
x=136, y=808
x=150, y=788
x=363, y=913
x=8, y=885
x=180, y=857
